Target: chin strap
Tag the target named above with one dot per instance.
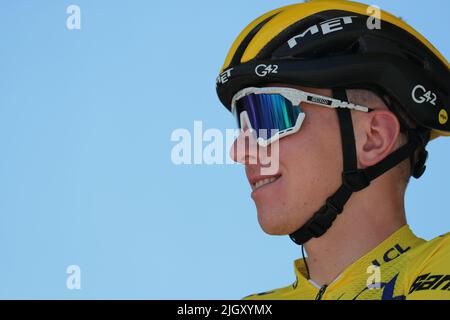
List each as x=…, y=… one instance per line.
x=354, y=179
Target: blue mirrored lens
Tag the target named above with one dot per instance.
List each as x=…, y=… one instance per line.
x=268, y=113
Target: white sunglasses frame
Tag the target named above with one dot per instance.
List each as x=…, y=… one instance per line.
x=296, y=97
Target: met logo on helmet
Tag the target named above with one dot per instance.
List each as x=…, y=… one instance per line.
x=224, y=76
x=325, y=27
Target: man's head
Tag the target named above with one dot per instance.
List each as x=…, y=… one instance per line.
x=328, y=44
x=310, y=161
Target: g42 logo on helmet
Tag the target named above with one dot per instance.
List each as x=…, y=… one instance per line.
x=421, y=95
x=263, y=70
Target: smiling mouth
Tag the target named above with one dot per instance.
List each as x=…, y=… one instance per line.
x=261, y=183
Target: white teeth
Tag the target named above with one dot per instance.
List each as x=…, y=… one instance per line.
x=263, y=182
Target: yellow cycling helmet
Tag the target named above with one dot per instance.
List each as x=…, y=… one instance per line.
x=328, y=43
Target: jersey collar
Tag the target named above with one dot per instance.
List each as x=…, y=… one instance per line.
x=391, y=248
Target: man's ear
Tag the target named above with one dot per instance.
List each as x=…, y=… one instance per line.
x=378, y=136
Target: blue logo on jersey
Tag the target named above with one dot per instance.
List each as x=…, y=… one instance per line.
x=388, y=290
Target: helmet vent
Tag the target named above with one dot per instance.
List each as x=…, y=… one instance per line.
x=243, y=46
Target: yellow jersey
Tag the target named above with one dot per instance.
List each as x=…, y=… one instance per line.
x=402, y=267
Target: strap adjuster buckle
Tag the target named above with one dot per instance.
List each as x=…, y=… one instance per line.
x=355, y=180
x=323, y=219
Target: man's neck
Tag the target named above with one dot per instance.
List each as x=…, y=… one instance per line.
x=366, y=222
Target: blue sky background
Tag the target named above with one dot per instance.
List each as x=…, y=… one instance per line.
x=86, y=176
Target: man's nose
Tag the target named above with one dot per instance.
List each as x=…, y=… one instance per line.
x=244, y=150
